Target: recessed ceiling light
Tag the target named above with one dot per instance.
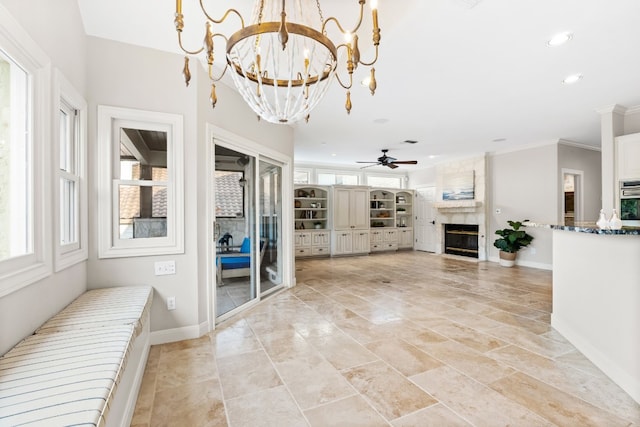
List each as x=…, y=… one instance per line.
x=333, y=154
x=559, y=39
x=572, y=79
x=499, y=140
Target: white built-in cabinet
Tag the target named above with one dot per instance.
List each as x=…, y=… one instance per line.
x=350, y=220
x=628, y=157
x=312, y=236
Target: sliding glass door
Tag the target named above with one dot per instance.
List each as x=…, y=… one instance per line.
x=238, y=248
x=270, y=214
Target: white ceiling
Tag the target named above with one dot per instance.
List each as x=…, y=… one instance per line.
x=454, y=76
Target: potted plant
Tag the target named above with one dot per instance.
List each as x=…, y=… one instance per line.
x=511, y=240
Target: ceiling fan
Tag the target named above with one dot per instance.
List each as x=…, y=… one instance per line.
x=390, y=162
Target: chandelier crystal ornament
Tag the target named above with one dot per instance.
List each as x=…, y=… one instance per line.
x=283, y=62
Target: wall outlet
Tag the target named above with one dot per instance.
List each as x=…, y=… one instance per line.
x=533, y=251
x=163, y=268
x=171, y=303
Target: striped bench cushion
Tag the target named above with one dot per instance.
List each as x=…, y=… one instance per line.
x=66, y=378
x=103, y=307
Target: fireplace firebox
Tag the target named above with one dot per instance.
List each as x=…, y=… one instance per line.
x=461, y=239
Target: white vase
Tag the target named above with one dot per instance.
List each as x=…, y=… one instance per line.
x=602, y=222
x=615, y=223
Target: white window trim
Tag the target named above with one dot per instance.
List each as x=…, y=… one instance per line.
x=18, y=272
x=401, y=178
x=358, y=174
x=108, y=245
x=70, y=254
x=308, y=171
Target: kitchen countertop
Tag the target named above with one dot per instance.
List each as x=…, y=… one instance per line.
x=586, y=227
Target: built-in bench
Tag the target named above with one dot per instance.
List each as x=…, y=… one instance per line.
x=83, y=366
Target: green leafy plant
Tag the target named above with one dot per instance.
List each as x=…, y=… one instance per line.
x=512, y=239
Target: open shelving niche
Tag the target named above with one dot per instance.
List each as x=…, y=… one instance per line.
x=311, y=208
x=404, y=209
x=381, y=208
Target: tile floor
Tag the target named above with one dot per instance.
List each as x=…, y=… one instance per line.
x=404, y=339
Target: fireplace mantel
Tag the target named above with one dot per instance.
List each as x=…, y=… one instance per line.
x=458, y=205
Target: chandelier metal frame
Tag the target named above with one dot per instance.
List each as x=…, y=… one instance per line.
x=296, y=92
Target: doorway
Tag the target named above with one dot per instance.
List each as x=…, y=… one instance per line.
x=236, y=245
x=248, y=187
x=572, y=196
x=425, y=219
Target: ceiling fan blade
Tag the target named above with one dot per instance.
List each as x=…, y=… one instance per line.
x=406, y=162
x=391, y=165
x=368, y=166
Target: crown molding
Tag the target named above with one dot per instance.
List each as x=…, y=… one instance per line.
x=569, y=143
x=632, y=110
x=615, y=109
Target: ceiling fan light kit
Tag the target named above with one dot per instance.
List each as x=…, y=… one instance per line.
x=284, y=61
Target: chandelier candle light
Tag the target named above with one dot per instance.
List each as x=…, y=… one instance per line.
x=284, y=61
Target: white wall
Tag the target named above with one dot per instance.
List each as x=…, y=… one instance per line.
x=57, y=28
x=524, y=185
x=423, y=178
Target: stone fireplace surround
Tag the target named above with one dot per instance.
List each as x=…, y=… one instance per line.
x=470, y=212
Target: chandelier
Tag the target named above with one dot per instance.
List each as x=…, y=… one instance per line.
x=283, y=62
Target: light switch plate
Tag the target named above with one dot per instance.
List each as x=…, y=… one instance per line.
x=163, y=268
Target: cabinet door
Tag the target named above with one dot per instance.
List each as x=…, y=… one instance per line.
x=343, y=243
x=361, y=241
x=341, y=208
x=390, y=236
x=405, y=238
x=376, y=236
x=320, y=238
x=302, y=239
x=359, y=207
x=628, y=156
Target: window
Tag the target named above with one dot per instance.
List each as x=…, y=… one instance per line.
x=301, y=176
x=337, y=178
x=70, y=236
x=141, y=211
x=230, y=194
x=24, y=199
x=393, y=181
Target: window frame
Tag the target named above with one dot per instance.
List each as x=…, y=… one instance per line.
x=346, y=172
x=66, y=255
x=21, y=271
x=400, y=178
x=110, y=120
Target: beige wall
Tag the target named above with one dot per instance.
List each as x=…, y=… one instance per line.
x=57, y=29
x=524, y=185
x=589, y=162
x=141, y=78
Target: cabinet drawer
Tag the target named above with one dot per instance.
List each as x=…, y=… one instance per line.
x=320, y=250
x=303, y=252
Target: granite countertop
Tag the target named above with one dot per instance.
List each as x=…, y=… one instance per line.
x=586, y=227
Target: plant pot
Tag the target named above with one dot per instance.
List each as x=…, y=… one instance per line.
x=508, y=259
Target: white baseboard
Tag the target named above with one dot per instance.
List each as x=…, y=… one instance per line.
x=178, y=334
x=619, y=376
x=538, y=265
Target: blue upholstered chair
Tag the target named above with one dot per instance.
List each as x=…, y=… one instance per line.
x=237, y=264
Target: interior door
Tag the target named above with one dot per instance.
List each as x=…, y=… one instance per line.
x=425, y=227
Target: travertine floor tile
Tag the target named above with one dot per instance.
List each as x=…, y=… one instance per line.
x=559, y=407
x=397, y=339
x=436, y=415
x=353, y=411
x=392, y=394
x=196, y=404
x=265, y=408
